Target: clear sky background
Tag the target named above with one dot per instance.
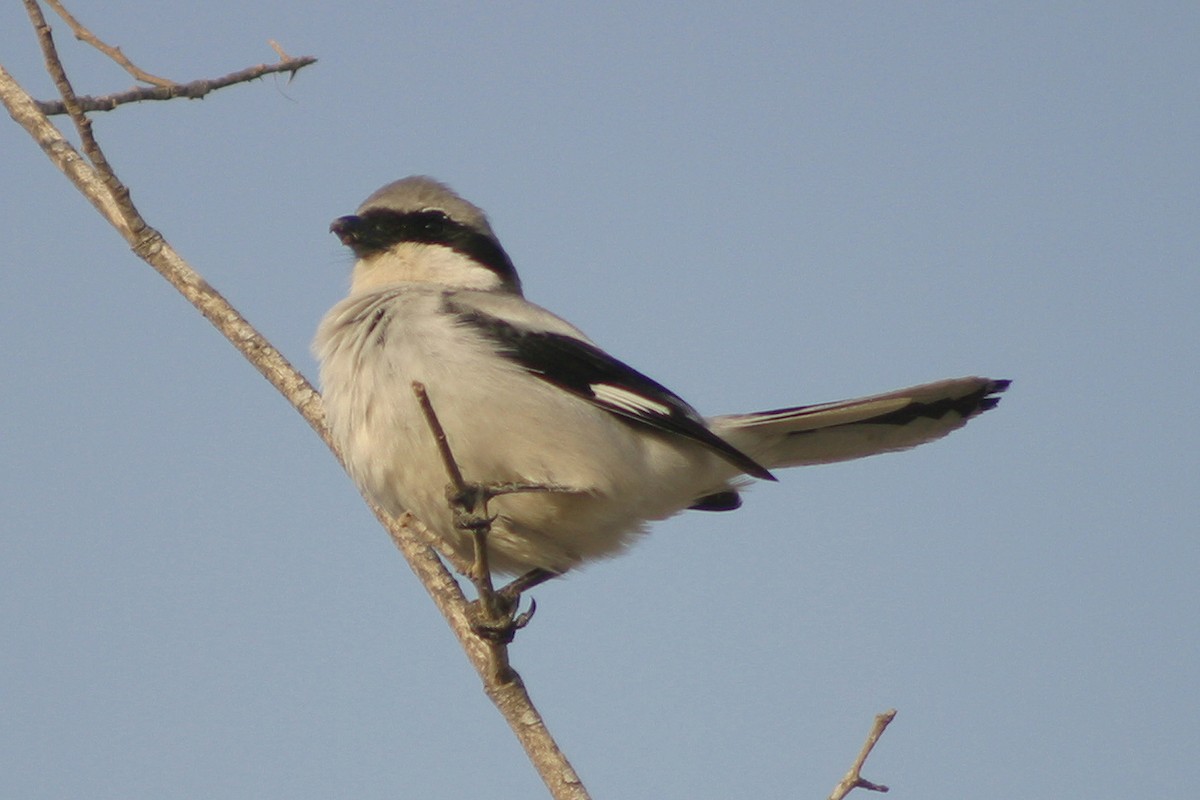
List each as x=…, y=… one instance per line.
x=760, y=205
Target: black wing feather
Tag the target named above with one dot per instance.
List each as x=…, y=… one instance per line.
x=588, y=372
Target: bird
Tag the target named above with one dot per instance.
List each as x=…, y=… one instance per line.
x=523, y=397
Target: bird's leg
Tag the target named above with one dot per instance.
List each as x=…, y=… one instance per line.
x=468, y=502
x=498, y=618
x=512, y=591
x=496, y=621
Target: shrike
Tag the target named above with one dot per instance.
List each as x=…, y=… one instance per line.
x=525, y=397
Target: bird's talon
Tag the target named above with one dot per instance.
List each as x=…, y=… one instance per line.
x=502, y=624
x=473, y=522
x=523, y=619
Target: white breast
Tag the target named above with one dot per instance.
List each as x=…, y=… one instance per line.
x=502, y=424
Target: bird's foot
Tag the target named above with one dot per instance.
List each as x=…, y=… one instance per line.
x=499, y=620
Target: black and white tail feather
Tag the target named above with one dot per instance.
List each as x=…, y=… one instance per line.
x=846, y=429
x=525, y=397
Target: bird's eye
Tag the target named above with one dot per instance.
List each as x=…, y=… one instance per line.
x=435, y=222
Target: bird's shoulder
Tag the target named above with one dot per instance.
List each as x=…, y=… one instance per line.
x=505, y=309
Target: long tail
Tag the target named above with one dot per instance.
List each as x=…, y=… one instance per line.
x=820, y=434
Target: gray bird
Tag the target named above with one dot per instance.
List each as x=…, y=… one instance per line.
x=525, y=397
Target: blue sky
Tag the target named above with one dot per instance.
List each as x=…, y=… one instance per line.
x=758, y=205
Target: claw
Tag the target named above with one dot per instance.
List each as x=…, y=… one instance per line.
x=504, y=627
x=522, y=619
x=473, y=522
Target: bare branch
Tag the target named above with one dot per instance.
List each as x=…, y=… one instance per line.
x=279, y=51
x=439, y=436
x=457, y=563
x=24, y=111
x=151, y=246
x=82, y=124
x=84, y=35
x=508, y=695
x=97, y=183
x=468, y=502
x=854, y=779
x=162, y=88
x=194, y=90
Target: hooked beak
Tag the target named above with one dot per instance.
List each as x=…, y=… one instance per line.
x=346, y=229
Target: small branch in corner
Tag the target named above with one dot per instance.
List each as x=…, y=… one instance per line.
x=853, y=778
x=161, y=88
x=192, y=91
x=83, y=34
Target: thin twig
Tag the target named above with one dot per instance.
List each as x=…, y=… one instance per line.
x=439, y=436
x=854, y=779
x=82, y=124
x=471, y=499
x=84, y=35
x=463, y=501
x=193, y=90
x=467, y=500
x=498, y=621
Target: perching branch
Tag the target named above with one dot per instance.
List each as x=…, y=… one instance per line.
x=854, y=779
x=96, y=180
x=504, y=688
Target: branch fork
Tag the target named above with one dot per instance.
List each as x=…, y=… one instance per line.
x=853, y=778
x=160, y=88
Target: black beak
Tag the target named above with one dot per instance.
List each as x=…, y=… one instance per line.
x=345, y=228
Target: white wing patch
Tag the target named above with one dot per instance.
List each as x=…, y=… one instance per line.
x=634, y=403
